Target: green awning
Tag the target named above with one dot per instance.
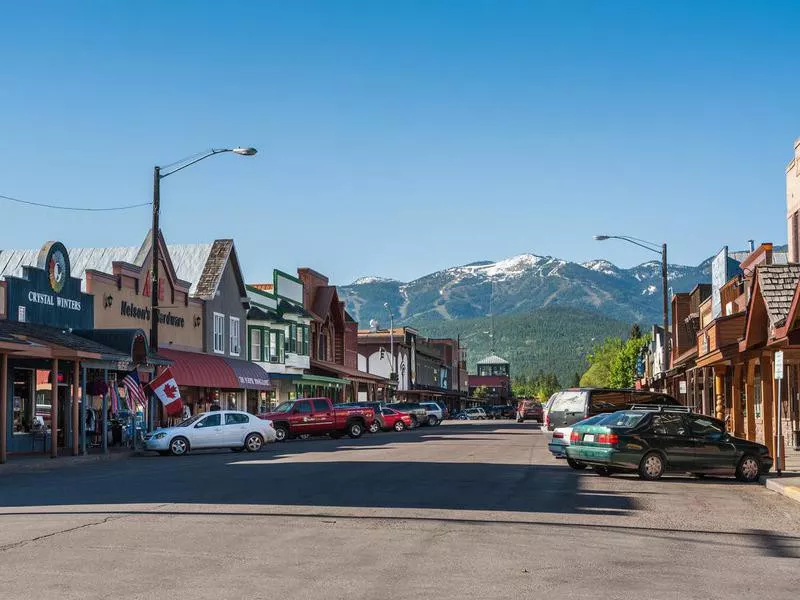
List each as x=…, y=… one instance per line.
x=319, y=380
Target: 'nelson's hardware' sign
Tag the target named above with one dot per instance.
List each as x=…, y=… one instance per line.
x=47, y=294
x=128, y=309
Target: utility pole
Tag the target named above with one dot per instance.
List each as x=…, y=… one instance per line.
x=155, y=253
x=665, y=289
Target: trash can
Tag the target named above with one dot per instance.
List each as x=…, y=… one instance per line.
x=116, y=433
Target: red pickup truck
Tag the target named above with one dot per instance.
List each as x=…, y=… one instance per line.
x=318, y=416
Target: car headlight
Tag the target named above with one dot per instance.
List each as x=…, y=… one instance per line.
x=159, y=436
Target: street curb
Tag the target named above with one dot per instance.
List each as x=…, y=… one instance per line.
x=789, y=486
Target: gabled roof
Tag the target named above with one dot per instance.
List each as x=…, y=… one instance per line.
x=493, y=360
x=778, y=284
x=323, y=298
x=204, y=264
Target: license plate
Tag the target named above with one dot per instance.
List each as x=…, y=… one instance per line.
x=589, y=437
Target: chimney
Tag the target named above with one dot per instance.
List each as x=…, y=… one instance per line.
x=752, y=245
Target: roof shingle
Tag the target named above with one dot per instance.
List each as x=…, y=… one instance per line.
x=778, y=284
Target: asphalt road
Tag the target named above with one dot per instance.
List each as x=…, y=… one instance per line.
x=474, y=510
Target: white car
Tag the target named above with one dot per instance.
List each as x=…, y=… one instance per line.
x=472, y=414
x=232, y=429
x=435, y=412
x=559, y=441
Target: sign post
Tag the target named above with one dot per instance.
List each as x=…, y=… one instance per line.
x=778, y=428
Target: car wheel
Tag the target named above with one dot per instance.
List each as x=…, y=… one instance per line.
x=578, y=466
x=602, y=471
x=354, y=430
x=281, y=433
x=433, y=421
x=253, y=442
x=399, y=426
x=749, y=469
x=651, y=467
x=462, y=417
x=374, y=427
x=179, y=446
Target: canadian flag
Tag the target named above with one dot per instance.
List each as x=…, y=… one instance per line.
x=166, y=389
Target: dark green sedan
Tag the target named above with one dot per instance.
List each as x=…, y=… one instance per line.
x=651, y=441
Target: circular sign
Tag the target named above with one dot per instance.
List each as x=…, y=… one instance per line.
x=57, y=270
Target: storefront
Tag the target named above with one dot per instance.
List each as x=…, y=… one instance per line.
x=47, y=352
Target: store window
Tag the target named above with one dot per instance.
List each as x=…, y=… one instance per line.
x=234, y=338
x=219, y=333
x=255, y=345
x=23, y=401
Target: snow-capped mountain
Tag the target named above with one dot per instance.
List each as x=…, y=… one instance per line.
x=521, y=284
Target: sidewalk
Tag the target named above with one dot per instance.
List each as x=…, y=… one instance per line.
x=788, y=484
x=27, y=463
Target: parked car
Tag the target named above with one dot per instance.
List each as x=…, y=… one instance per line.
x=546, y=411
x=419, y=414
x=559, y=439
x=472, y=414
x=531, y=410
x=394, y=419
x=377, y=424
x=435, y=413
x=573, y=405
x=318, y=416
x=500, y=411
x=232, y=429
x=651, y=440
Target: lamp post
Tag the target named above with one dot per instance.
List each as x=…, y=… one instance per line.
x=160, y=173
x=391, y=338
x=652, y=247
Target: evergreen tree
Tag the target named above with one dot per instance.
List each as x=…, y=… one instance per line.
x=636, y=332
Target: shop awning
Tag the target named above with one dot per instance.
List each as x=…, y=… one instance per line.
x=250, y=375
x=201, y=370
x=319, y=380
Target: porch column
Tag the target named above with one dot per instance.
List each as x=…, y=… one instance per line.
x=3, y=407
x=83, y=411
x=767, y=404
x=76, y=421
x=54, y=411
x=736, y=402
x=719, y=391
x=750, y=394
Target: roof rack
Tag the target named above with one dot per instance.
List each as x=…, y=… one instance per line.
x=661, y=408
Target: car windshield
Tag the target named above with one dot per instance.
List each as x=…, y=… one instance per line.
x=190, y=420
x=283, y=407
x=626, y=419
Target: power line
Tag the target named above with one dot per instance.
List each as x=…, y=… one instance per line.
x=74, y=208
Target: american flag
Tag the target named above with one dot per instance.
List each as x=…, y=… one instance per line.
x=134, y=390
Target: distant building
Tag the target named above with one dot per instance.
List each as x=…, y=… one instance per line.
x=494, y=373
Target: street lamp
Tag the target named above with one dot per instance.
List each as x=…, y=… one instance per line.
x=160, y=173
x=391, y=338
x=652, y=247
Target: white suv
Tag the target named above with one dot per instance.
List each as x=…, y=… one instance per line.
x=472, y=414
x=435, y=412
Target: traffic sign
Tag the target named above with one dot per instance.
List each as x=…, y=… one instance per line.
x=779, y=365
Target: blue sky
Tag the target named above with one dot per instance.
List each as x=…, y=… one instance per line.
x=397, y=138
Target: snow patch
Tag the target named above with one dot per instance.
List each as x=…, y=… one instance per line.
x=371, y=279
x=649, y=290
x=601, y=266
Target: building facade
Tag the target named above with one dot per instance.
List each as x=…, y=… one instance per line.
x=494, y=374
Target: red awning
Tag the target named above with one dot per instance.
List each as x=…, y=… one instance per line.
x=201, y=370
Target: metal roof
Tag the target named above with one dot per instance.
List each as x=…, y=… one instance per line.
x=493, y=360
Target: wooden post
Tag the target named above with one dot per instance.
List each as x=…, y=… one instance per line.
x=750, y=395
x=54, y=411
x=767, y=403
x=719, y=391
x=3, y=408
x=76, y=417
x=736, y=402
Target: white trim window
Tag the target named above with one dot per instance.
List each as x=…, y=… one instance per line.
x=219, y=333
x=234, y=337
